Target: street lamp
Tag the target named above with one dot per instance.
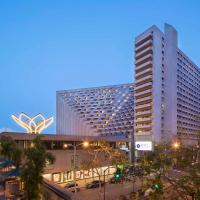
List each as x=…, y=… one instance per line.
x=104, y=180
x=84, y=144
x=197, y=157
x=176, y=145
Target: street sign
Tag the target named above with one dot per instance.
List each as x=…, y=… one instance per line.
x=143, y=145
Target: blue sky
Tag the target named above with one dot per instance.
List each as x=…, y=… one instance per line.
x=51, y=45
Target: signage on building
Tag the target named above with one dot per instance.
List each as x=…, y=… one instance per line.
x=143, y=145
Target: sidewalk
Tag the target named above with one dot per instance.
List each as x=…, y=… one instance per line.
x=112, y=191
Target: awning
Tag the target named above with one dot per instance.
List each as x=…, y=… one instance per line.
x=13, y=173
x=6, y=163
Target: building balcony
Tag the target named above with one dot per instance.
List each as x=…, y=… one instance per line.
x=144, y=96
x=145, y=65
x=143, y=113
x=143, y=132
x=142, y=101
x=138, y=74
x=144, y=59
x=147, y=78
x=144, y=45
x=143, y=126
x=144, y=106
x=143, y=39
x=143, y=120
x=146, y=51
x=143, y=86
x=145, y=92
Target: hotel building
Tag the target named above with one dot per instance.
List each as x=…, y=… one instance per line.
x=163, y=102
x=103, y=111
x=166, y=88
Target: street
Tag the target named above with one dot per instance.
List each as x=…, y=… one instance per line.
x=112, y=191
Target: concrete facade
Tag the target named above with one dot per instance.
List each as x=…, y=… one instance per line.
x=96, y=111
x=166, y=88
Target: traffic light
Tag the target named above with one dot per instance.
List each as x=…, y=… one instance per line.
x=118, y=174
x=157, y=186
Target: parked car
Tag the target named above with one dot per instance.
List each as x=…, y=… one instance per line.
x=71, y=186
x=113, y=180
x=94, y=184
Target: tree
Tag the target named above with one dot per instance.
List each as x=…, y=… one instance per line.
x=102, y=154
x=30, y=166
x=10, y=150
x=164, y=162
x=188, y=182
x=33, y=167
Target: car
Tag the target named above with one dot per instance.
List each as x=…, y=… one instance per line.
x=71, y=186
x=148, y=192
x=94, y=184
x=113, y=180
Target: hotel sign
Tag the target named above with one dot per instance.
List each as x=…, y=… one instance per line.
x=143, y=145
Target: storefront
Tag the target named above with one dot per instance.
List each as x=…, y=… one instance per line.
x=67, y=176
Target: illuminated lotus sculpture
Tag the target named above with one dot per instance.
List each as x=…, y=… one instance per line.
x=33, y=124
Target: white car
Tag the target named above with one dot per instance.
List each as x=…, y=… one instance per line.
x=71, y=186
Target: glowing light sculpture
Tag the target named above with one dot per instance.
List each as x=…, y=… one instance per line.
x=33, y=124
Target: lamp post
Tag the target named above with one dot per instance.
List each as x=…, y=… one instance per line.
x=85, y=144
x=176, y=145
x=197, y=158
x=104, y=180
x=104, y=187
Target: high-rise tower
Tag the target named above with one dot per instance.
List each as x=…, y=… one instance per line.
x=166, y=88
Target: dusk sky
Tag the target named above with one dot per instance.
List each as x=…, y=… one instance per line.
x=52, y=45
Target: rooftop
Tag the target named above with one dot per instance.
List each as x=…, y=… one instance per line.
x=55, y=137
